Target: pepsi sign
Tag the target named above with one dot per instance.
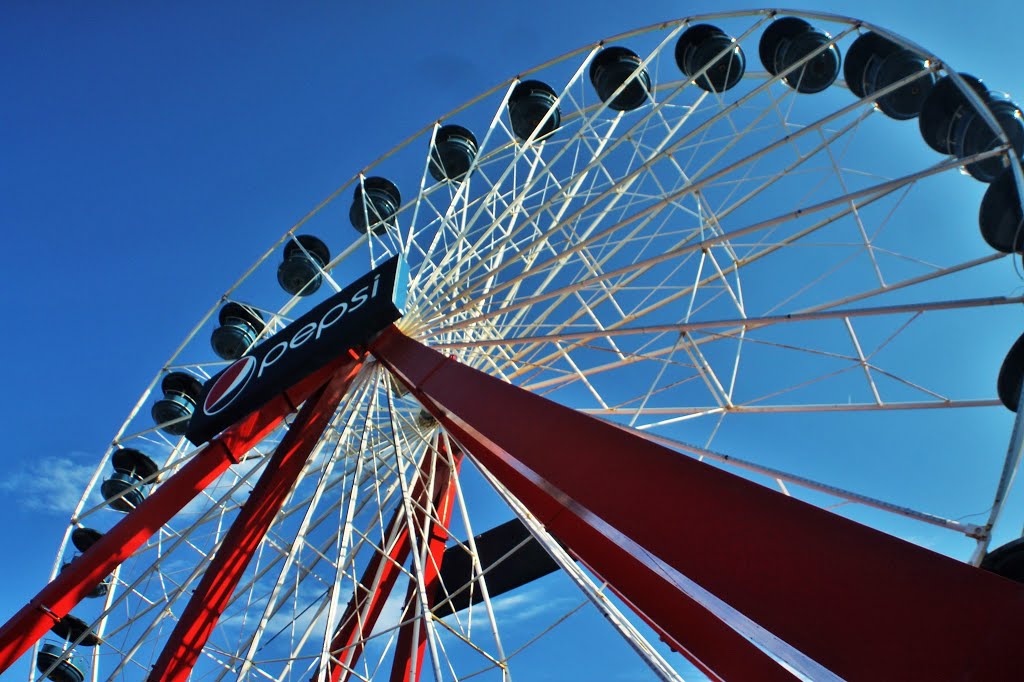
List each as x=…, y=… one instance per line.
x=350, y=318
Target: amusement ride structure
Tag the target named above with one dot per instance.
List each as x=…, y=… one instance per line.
x=643, y=334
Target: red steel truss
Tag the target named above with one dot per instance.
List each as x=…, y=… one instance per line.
x=678, y=539
x=236, y=550
x=709, y=559
x=431, y=489
x=410, y=649
x=72, y=584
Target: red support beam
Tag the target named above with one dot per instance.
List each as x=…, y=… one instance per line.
x=656, y=524
x=379, y=577
x=74, y=583
x=236, y=550
x=413, y=634
x=367, y=602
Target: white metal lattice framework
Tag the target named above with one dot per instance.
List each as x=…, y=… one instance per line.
x=786, y=284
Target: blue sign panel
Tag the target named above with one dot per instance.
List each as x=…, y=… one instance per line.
x=349, y=319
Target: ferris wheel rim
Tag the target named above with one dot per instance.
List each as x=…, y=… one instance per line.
x=283, y=312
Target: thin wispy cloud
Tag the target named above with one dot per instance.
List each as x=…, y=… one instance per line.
x=525, y=604
x=52, y=484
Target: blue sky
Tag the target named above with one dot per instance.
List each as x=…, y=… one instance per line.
x=152, y=152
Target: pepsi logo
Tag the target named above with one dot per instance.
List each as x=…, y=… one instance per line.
x=229, y=385
x=346, y=320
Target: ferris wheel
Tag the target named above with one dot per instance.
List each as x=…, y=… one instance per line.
x=682, y=319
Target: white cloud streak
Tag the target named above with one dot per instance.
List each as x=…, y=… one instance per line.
x=51, y=484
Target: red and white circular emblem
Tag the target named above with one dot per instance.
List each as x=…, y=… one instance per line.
x=229, y=386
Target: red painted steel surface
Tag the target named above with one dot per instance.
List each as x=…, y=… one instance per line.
x=436, y=532
x=367, y=601
x=859, y=602
x=383, y=570
x=72, y=584
x=218, y=583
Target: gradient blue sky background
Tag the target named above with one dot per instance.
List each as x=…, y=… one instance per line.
x=149, y=152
